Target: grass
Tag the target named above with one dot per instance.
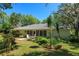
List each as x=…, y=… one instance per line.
x=29, y=48
x=24, y=47
x=68, y=50
x=73, y=48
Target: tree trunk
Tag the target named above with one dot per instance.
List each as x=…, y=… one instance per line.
x=76, y=26
x=76, y=33
x=70, y=29
x=50, y=38
x=76, y=30
x=57, y=28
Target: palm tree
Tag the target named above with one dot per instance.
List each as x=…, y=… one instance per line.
x=49, y=22
x=56, y=22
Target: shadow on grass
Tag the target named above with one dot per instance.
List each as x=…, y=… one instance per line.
x=34, y=46
x=16, y=46
x=50, y=53
x=75, y=45
x=7, y=50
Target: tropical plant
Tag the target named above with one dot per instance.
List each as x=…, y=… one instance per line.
x=49, y=22
x=57, y=22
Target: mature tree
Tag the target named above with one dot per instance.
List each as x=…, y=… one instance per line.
x=14, y=19
x=4, y=6
x=3, y=15
x=24, y=20
x=29, y=19
x=71, y=14
x=32, y=19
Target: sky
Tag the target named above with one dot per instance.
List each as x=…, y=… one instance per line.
x=38, y=10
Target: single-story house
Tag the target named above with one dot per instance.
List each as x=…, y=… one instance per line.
x=35, y=29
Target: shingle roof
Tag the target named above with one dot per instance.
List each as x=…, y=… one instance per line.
x=33, y=27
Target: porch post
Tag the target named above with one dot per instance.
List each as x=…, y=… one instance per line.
x=42, y=32
x=32, y=33
x=35, y=33
x=46, y=33
x=39, y=33
x=26, y=33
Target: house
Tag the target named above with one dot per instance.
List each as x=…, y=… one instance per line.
x=35, y=29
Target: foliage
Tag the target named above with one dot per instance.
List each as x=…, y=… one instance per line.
x=19, y=33
x=41, y=40
x=4, y=22
x=32, y=19
x=4, y=6
x=44, y=21
x=6, y=27
x=73, y=39
x=22, y=20
x=16, y=33
x=49, y=21
x=56, y=41
x=14, y=19
x=1, y=39
x=3, y=15
x=70, y=15
x=29, y=19
x=8, y=42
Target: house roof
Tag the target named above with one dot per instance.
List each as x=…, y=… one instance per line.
x=33, y=27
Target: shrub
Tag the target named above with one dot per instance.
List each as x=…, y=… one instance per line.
x=74, y=39
x=1, y=42
x=16, y=33
x=56, y=41
x=1, y=38
x=8, y=42
x=58, y=47
x=41, y=40
x=19, y=33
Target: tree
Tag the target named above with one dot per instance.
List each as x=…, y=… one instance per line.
x=4, y=6
x=49, y=22
x=32, y=19
x=57, y=23
x=24, y=20
x=29, y=19
x=3, y=15
x=9, y=40
x=14, y=19
x=71, y=13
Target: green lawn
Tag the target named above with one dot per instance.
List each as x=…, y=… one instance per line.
x=29, y=48
x=24, y=47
